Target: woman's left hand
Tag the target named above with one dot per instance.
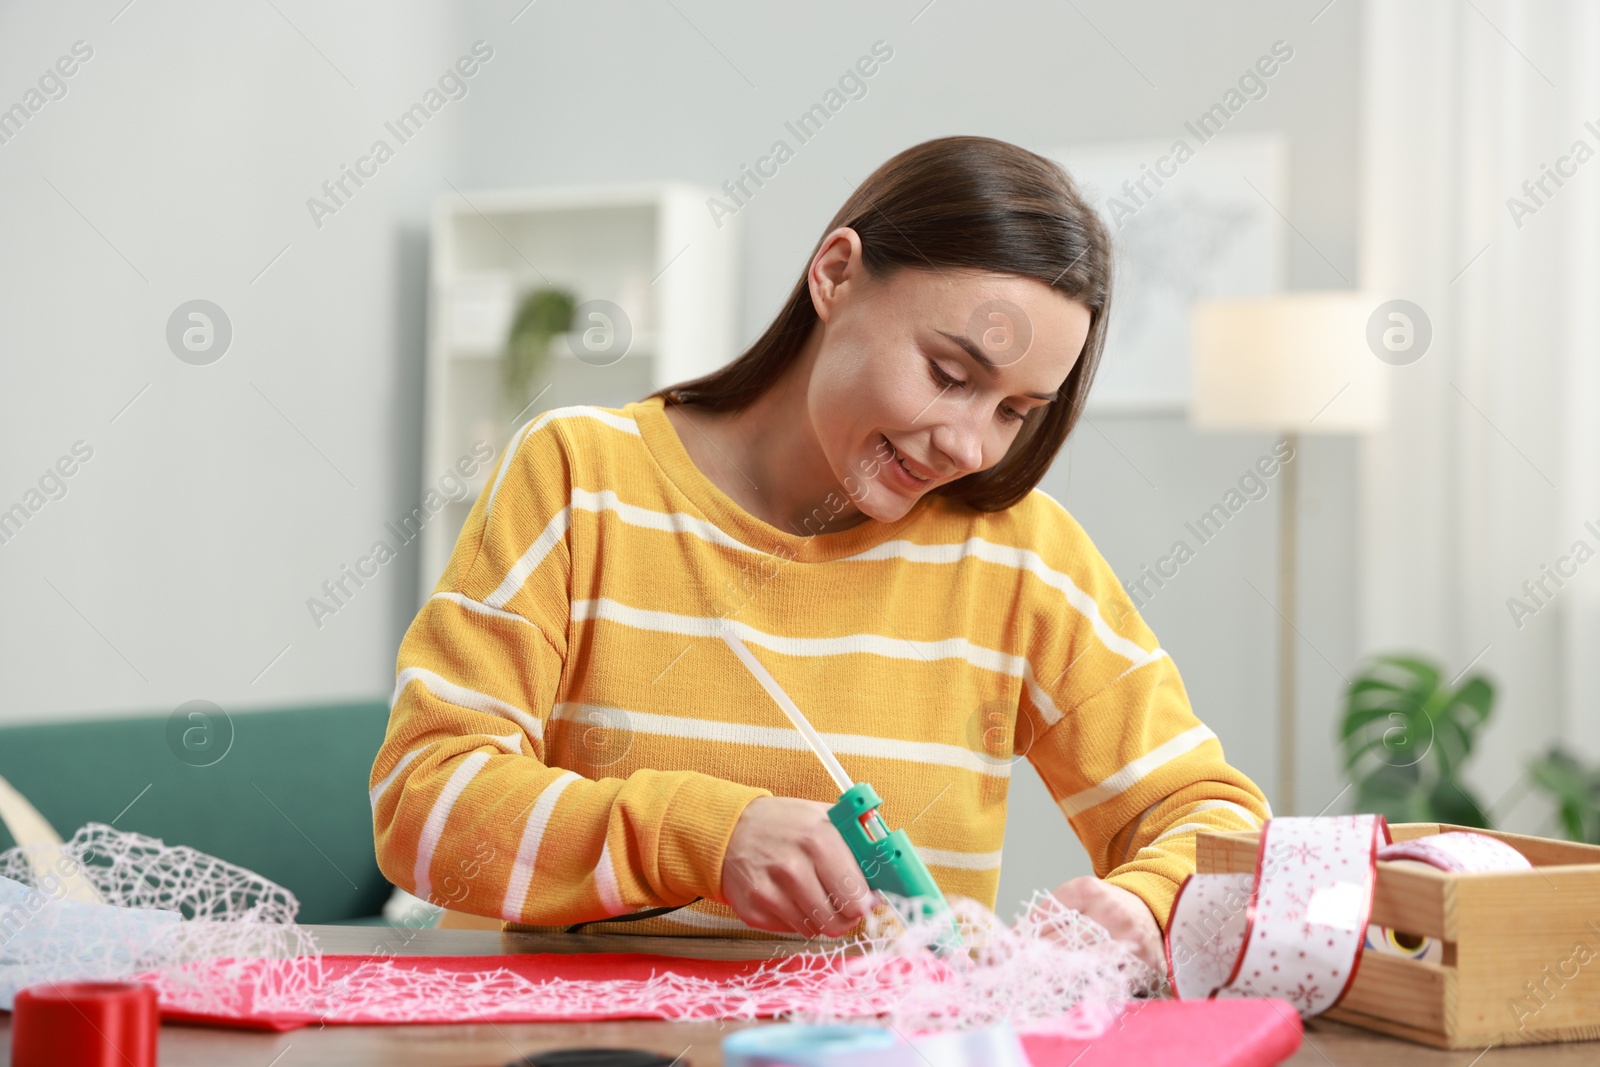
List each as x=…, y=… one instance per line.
x=1124, y=915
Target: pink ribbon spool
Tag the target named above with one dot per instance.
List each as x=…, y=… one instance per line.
x=1296, y=928
x=1459, y=852
x=1456, y=851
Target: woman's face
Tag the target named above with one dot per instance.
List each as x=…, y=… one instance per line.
x=931, y=370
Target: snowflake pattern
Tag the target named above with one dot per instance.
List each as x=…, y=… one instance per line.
x=1306, y=852
x=1221, y=954
x=1314, y=855
x=1304, y=998
x=1295, y=902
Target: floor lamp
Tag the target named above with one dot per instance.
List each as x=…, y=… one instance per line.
x=1292, y=364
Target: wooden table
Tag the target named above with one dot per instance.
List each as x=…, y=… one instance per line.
x=698, y=1043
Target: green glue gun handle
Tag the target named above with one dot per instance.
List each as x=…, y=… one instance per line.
x=890, y=864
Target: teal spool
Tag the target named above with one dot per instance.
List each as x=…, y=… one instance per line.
x=801, y=1045
x=859, y=1045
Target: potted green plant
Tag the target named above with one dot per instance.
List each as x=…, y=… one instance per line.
x=1575, y=789
x=1406, y=734
x=542, y=314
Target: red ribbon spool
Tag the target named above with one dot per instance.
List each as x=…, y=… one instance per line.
x=85, y=1024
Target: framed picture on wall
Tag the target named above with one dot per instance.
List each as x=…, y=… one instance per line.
x=1189, y=218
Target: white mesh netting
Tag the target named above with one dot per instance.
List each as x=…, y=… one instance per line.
x=163, y=906
x=216, y=940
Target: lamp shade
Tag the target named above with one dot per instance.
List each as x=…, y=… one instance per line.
x=1292, y=363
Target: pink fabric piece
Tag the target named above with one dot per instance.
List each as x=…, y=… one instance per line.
x=343, y=990
x=1459, y=851
x=351, y=990
x=282, y=995
x=1195, y=1033
x=1053, y=964
x=250, y=994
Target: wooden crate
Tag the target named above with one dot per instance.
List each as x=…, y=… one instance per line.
x=1521, y=961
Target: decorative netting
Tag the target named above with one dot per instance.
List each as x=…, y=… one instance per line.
x=220, y=942
x=162, y=906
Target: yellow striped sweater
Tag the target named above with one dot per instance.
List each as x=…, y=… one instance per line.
x=571, y=740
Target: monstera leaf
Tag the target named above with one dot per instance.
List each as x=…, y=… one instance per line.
x=1575, y=790
x=1407, y=734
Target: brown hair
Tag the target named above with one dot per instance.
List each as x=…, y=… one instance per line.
x=972, y=203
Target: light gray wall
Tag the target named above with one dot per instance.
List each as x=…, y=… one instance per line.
x=660, y=100
x=178, y=565
x=219, y=497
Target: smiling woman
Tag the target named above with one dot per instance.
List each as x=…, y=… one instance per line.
x=856, y=496
x=985, y=244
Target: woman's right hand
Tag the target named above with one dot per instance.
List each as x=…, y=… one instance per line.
x=788, y=870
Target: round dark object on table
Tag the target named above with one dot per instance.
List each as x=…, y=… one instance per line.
x=598, y=1057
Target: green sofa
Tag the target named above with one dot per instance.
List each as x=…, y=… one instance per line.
x=286, y=798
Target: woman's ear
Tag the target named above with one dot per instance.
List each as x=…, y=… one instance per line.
x=835, y=269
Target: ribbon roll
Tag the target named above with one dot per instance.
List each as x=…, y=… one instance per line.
x=1296, y=928
x=1457, y=852
x=85, y=1024
x=801, y=1045
x=804, y=1046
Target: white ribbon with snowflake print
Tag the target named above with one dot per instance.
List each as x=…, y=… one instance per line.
x=1294, y=929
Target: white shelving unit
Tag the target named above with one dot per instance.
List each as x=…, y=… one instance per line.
x=650, y=250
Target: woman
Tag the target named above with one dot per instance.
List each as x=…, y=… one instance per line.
x=571, y=741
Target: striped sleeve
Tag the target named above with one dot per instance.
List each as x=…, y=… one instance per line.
x=466, y=811
x=1136, y=773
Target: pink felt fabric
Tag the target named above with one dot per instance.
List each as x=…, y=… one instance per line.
x=1242, y=1032
x=1252, y=1032
x=597, y=966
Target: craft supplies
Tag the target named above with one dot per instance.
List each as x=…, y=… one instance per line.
x=799, y=1045
x=1053, y=966
x=1297, y=927
x=1519, y=949
x=887, y=859
x=1055, y=978
x=85, y=1024
x=1293, y=929
x=165, y=906
x=1460, y=852
x=46, y=936
x=1257, y=1032
x=219, y=945
x=890, y=862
